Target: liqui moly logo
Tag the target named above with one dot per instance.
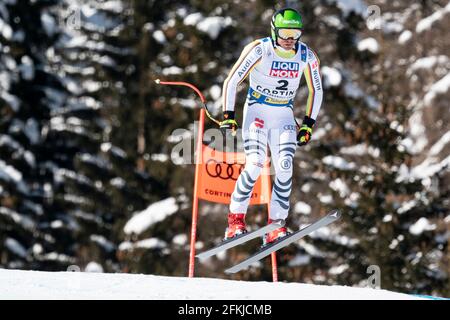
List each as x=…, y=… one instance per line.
x=284, y=69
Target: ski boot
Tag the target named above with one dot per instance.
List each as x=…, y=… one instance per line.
x=236, y=225
x=274, y=235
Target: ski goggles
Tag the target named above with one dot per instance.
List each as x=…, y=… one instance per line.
x=286, y=34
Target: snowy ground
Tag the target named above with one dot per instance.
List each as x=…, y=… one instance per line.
x=16, y=284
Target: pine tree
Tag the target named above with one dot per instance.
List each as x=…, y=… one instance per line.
x=107, y=180
x=30, y=91
x=360, y=160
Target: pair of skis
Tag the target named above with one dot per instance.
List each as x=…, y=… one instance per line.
x=276, y=245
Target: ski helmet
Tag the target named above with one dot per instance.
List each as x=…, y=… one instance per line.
x=286, y=18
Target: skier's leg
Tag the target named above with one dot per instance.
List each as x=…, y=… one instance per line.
x=255, y=146
x=282, y=142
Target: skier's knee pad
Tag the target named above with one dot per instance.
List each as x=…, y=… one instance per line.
x=284, y=166
x=253, y=169
x=256, y=159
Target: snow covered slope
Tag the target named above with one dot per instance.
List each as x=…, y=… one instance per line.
x=16, y=284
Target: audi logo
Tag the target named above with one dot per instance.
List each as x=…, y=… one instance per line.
x=216, y=170
x=290, y=127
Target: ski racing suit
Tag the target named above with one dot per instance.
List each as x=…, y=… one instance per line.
x=268, y=116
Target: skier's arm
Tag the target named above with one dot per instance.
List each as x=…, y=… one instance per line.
x=249, y=58
x=314, y=82
x=315, y=96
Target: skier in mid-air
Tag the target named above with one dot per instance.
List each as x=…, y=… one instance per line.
x=275, y=65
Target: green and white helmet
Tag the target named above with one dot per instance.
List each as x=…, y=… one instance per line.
x=286, y=18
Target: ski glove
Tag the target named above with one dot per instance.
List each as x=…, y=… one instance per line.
x=305, y=132
x=229, y=123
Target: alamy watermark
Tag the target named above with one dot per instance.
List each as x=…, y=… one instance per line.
x=373, y=13
x=71, y=18
x=374, y=280
x=185, y=141
x=74, y=282
x=80, y=280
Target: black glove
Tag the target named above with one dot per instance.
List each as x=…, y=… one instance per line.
x=228, y=123
x=305, y=132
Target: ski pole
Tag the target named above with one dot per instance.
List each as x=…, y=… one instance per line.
x=202, y=97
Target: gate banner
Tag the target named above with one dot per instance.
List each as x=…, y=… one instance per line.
x=218, y=172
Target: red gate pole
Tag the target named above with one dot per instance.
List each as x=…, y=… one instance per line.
x=273, y=255
x=198, y=161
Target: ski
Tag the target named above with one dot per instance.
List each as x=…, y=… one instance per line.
x=240, y=239
x=293, y=237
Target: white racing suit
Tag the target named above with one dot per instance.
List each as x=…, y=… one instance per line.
x=268, y=116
